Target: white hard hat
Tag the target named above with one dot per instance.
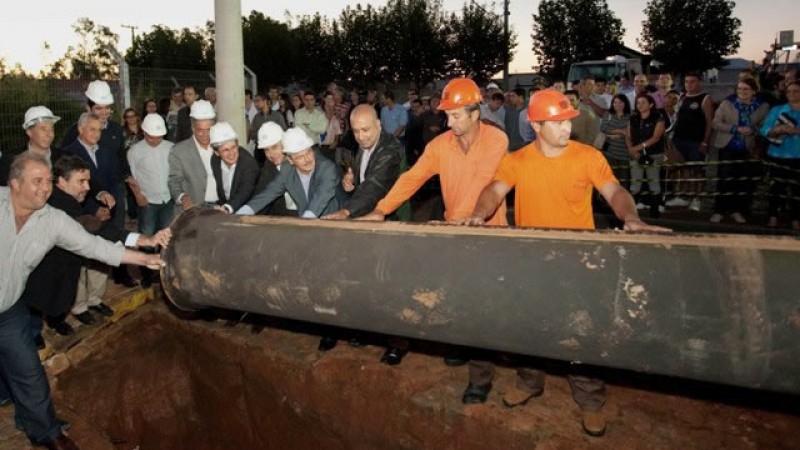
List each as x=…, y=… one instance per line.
x=202, y=110
x=269, y=134
x=222, y=132
x=295, y=141
x=37, y=114
x=100, y=93
x=492, y=86
x=153, y=124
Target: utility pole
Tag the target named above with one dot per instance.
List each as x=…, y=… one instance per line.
x=506, y=13
x=132, y=28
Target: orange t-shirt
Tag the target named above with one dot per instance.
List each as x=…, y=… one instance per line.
x=555, y=192
x=463, y=175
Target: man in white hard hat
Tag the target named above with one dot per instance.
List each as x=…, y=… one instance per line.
x=100, y=101
x=312, y=184
x=269, y=141
x=39, y=125
x=149, y=162
x=235, y=170
x=191, y=181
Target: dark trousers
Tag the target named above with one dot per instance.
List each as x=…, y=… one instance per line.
x=784, y=180
x=734, y=193
x=24, y=376
x=588, y=393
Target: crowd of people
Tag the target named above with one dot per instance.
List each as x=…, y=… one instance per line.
x=361, y=156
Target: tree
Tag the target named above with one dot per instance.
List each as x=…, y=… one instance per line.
x=269, y=48
x=363, y=45
x=417, y=29
x=318, y=56
x=91, y=59
x=166, y=48
x=690, y=35
x=478, y=46
x=566, y=31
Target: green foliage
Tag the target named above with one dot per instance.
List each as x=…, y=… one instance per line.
x=690, y=35
x=363, y=44
x=166, y=48
x=478, y=46
x=567, y=31
x=91, y=59
x=269, y=49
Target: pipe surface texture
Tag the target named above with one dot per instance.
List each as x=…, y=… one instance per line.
x=719, y=308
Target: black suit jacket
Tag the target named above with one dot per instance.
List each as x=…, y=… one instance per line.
x=184, y=128
x=244, y=181
x=52, y=285
x=278, y=207
x=383, y=169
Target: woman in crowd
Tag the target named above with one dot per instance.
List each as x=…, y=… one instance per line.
x=615, y=126
x=645, y=141
x=150, y=106
x=736, y=123
x=131, y=128
x=781, y=128
x=296, y=101
x=286, y=109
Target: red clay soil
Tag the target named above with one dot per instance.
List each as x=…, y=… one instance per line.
x=156, y=381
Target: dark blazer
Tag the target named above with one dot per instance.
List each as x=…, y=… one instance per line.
x=105, y=175
x=184, y=128
x=321, y=198
x=52, y=286
x=244, y=181
x=112, y=138
x=278, y=207
x=382, y=172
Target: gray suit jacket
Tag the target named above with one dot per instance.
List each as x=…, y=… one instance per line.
x=321, y=198
x=186, y=172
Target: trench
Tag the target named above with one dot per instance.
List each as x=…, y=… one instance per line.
x=158, y=381
x=154, y=381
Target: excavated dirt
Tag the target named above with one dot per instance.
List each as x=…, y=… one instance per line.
x=158, y=381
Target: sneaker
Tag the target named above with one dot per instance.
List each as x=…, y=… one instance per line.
x=738, y=218
x=716, y=218
x=103, y=309
x=641, y=205
x=677, y=202
x=86, y=318
x=695, y=205
x=594, y=424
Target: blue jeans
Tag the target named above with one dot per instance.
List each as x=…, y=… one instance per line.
x=153, y=218
x=23, y=374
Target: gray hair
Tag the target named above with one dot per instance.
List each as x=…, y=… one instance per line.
x=85, y=117
x=21, y=162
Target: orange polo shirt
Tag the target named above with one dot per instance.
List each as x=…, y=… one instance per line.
x=555, y=192
x=463, y=175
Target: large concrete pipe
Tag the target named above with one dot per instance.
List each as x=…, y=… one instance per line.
x=717, y=308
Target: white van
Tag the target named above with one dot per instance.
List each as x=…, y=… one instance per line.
x=604, y=68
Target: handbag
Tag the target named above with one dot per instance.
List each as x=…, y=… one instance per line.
x=672, y=154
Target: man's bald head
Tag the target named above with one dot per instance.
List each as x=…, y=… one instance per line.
x=366, y=126
x=364, y=112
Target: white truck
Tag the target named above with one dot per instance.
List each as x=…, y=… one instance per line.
x=604, y=68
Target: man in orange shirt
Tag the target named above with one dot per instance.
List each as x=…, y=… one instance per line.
x=465, y=158
x=553, y=178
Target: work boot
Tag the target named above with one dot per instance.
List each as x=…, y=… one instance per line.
x=61, y=442
x=517, y=397
x=475, y=394
x=594, y=423
x=62, y=327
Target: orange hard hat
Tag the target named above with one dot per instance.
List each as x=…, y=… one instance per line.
x=460, y=92
x=550, y=105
